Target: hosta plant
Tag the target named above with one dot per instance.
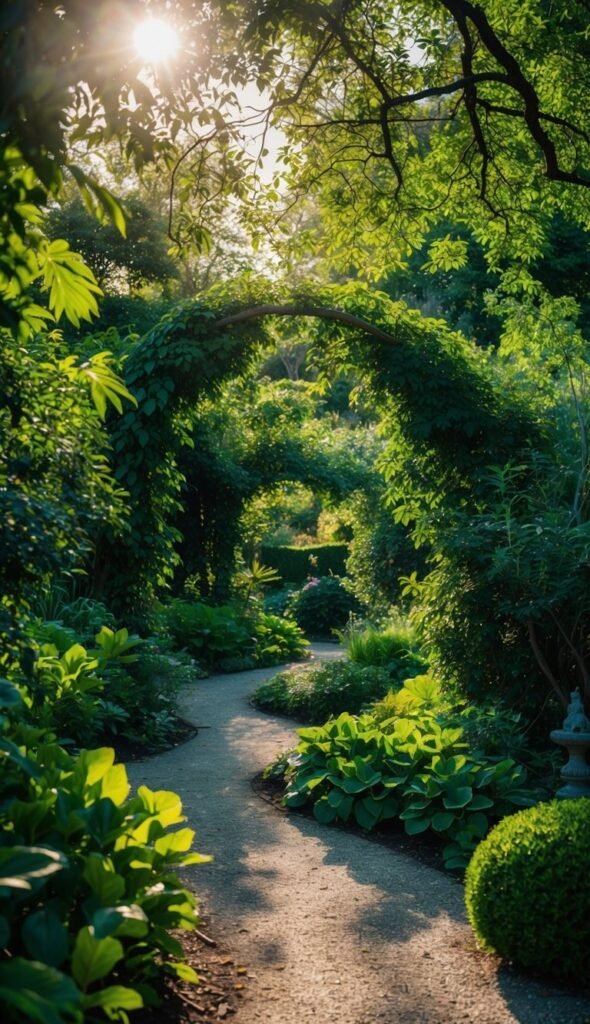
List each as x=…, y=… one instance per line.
x=413, y=769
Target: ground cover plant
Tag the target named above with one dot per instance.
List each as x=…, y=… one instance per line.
x=394, y=647
x=412, y=766
x=110, y=686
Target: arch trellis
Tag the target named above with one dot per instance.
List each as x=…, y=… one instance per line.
x=446, y=406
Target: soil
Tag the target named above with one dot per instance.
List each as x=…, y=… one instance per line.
x=223, y=982
x=130, y=750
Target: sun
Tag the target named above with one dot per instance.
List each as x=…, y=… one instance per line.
x=155, y=41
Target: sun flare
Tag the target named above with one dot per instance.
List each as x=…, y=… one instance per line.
x=155, y=41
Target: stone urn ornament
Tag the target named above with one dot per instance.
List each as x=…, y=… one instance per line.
x=574, y=735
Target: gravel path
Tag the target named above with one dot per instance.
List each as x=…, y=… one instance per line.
x=334, y=928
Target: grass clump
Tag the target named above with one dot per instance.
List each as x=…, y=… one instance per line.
x=394, y=648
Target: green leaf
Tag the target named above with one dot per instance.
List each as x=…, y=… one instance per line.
x=457, y=797
x=71, y=284
x=183, y=971
x=45, y=937
x=102, y=878
x=367, y=813
x=480, y=803
x=9, y=695
x=38, y=993
x=93, y=959
x=122, y=920
x=115, y=997
x=324, y=812
x=414, y=826
x=96, y=763
x=442, y=820
x=21, y=866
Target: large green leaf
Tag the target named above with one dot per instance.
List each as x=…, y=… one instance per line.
x=45, y=937
x=93, y=959
x=114, y=997
x=122, y=920
x=324, y=812
x=106, y=884
x=457, y=797
x=71, y=284
x=21, y=866
x=39, y=993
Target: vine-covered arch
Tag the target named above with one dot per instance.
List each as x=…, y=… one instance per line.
x=447, y=407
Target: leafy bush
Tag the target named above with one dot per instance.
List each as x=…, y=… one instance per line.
x=528, y=889
x=319, y=692
x=140, y=701
x=395, y=648
x=89, y=888
x=412, y=768
x=277, y=640
x=211, y=634
x=123, y=688
x=228, y=638
x=86, y=616
x=322, y=606
x=277, y=601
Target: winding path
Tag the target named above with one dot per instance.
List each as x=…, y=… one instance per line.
x=334, y=928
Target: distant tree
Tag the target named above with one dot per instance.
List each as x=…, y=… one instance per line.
x=120, y=263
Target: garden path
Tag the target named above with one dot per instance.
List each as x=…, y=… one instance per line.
x=333, y=927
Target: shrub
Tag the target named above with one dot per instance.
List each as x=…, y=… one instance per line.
x=140, y=701
x=89, y=885
x=123, y=688
x=277, y=640
x=231, y=639
x=409, y=767
x=314, y=694
x=322, y=606
x=528, y=889
x=210, y=633
x=394, y=648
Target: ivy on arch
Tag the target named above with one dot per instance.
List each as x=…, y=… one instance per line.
x=437, y=390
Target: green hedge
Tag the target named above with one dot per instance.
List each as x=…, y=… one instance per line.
x=294, y=566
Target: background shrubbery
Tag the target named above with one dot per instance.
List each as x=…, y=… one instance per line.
x=322, y=606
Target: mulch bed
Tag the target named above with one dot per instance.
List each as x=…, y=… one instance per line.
x=128, y=750
x=223, y=984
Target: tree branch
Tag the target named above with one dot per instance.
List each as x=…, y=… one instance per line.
x=322, y=312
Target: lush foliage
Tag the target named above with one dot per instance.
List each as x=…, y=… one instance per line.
x=322, y=606
x=394, y=647
x=277, y=639
x=319, y=692
x=411, y=767
x=528, y=889
x=89, y=885
x=230, y=638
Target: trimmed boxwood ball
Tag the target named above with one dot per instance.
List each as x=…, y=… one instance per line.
x=528, y=889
